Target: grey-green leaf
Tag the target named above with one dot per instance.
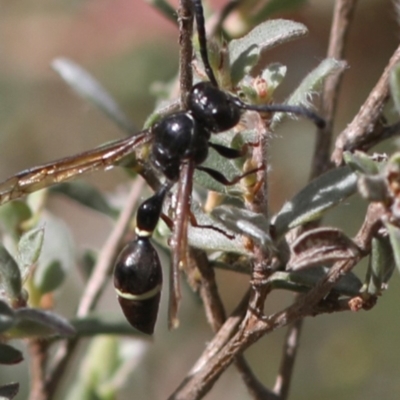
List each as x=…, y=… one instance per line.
x=29, y=247
x=9, y=354
x=245, y=222
x=310, y=85
x=394, y=81
x=8, y=392
x=32, y=322
x=89, y=88
x=315, y=199
x=361, y=162
x=104, y=324
x=245, y=52
x=7, y=317
x=381, y=265
x=300, y=281
x=211, y=239
x=12, y=214
x=10, y=275
x=57, y=256
x=394, y=235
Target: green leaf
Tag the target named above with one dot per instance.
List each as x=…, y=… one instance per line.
x=10, y=275
x=29, y=247
x=57, y=255
x=373, y=187
x=381, y=265
x=86, y=195
x=89, y=88
x=206, y=238
x=394, y=82
x=301, y=281
x=8, y=392
x=104, y=324
x=394, y=235
x=32, y=322
x=310, y=85
x=9, y=355
x=13, y=214
x=361, y=162
x=87, y=261
x=244, y=222
x=49, y=276
x=245, y=52
x=7, y=316
x=315, y=199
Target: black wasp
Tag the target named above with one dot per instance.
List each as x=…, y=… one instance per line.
x=176, y=139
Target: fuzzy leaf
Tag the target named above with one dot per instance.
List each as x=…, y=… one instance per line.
x=244, y=222
x=9, y=355
x=32, y=322
x=29, y=247
x=89, y=88
x=57, y=255
x=13, y=214
x=395, y=86
x=7, y=316
x=381, y=265
x=245, y=52
x=315, y=199
x=104, y=324
x=8, y=392
x=373, y=187
x=311, y=84
x=301, y=281
x=207, y=238
x=394, y=235
x=361, y=162
x=10, y=275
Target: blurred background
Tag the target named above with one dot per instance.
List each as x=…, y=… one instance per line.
x=127, y=45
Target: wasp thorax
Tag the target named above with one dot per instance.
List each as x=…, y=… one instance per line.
x=213, y=107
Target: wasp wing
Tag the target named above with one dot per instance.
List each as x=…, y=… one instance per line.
x=42, y=176
x=178, y=241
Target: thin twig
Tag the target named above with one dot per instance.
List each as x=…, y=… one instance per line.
x=342, y=18
x=292, y=340
x=367, y=120
x=185, y=22
x=95, y=285
x=38, y=359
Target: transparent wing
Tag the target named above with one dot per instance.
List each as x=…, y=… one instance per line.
x=42, y=176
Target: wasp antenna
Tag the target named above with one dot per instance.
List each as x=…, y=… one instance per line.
x=298, y=110
x=201, y=31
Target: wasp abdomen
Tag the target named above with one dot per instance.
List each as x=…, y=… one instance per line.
x=138, y=281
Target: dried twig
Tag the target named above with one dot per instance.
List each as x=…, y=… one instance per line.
x=342, y=18
x=366, y=125
x=38, y=357
x=292, y=340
